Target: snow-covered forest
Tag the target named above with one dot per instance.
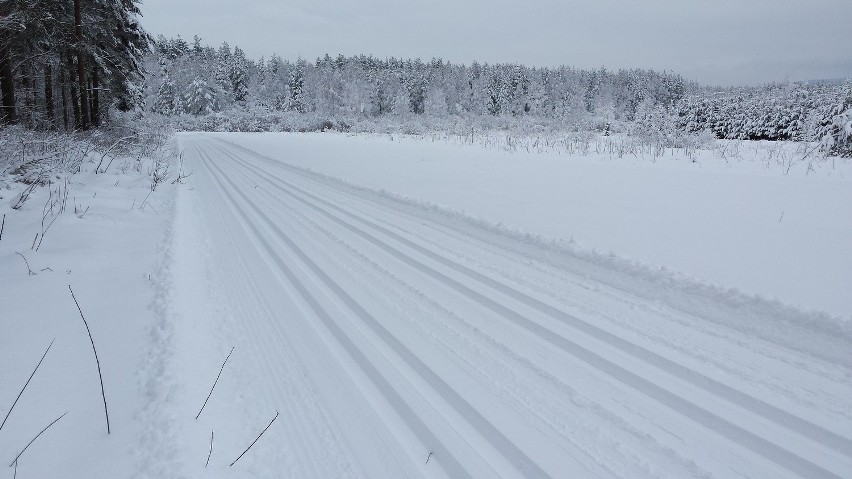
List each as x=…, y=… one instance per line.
x=66, y=65
x=345, y=92
x=369, y=87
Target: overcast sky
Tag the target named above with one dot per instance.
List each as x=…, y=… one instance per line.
x=717, y=42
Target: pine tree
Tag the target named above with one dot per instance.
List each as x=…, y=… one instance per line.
x=237, y=75
x=167, y=102
x=223, y=68
x=296, y=86
x=197, y=49
x=200, y=98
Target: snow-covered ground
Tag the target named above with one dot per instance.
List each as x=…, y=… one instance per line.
x=736, y=223
x=390, y=335
x=111, y=253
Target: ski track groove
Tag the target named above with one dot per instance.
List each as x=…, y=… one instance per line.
x=261, y=335
x=732, y=365
x=487, y=430
x=545, y=415
x=268, y=342
x=554, y=424
x=696, y=350
x=756, y=406
x=543, y=263
x=305, y=425
x=442, y=456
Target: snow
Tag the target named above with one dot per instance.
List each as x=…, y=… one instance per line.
x=444, y=311
x=109, y=256
x=733, y=224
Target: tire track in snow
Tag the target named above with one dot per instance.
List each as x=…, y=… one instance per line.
x=708, y=419
x=487, y=430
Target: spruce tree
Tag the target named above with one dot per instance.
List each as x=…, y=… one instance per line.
x=296, y=85
x=200, y=98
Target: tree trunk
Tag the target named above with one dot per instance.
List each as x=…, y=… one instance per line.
x=48, y=96
x=7, y=83
x=27, y=87
x=64, y=97
x=81, y=67
x=34, y=113
x=89, y=97
x=75, y=99
x=96, y=100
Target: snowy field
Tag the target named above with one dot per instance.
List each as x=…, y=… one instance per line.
x=410, y=308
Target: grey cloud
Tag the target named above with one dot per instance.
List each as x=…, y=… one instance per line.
x=712, y=41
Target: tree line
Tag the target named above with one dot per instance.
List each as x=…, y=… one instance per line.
x=197, y=79
x=65, y=63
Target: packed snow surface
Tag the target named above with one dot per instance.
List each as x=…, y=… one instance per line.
x=406, y=308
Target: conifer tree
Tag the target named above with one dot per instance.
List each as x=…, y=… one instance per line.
x=200, y=98
x=296, y=86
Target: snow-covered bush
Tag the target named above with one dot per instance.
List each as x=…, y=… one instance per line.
x=37, y=157
x=33, y=157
